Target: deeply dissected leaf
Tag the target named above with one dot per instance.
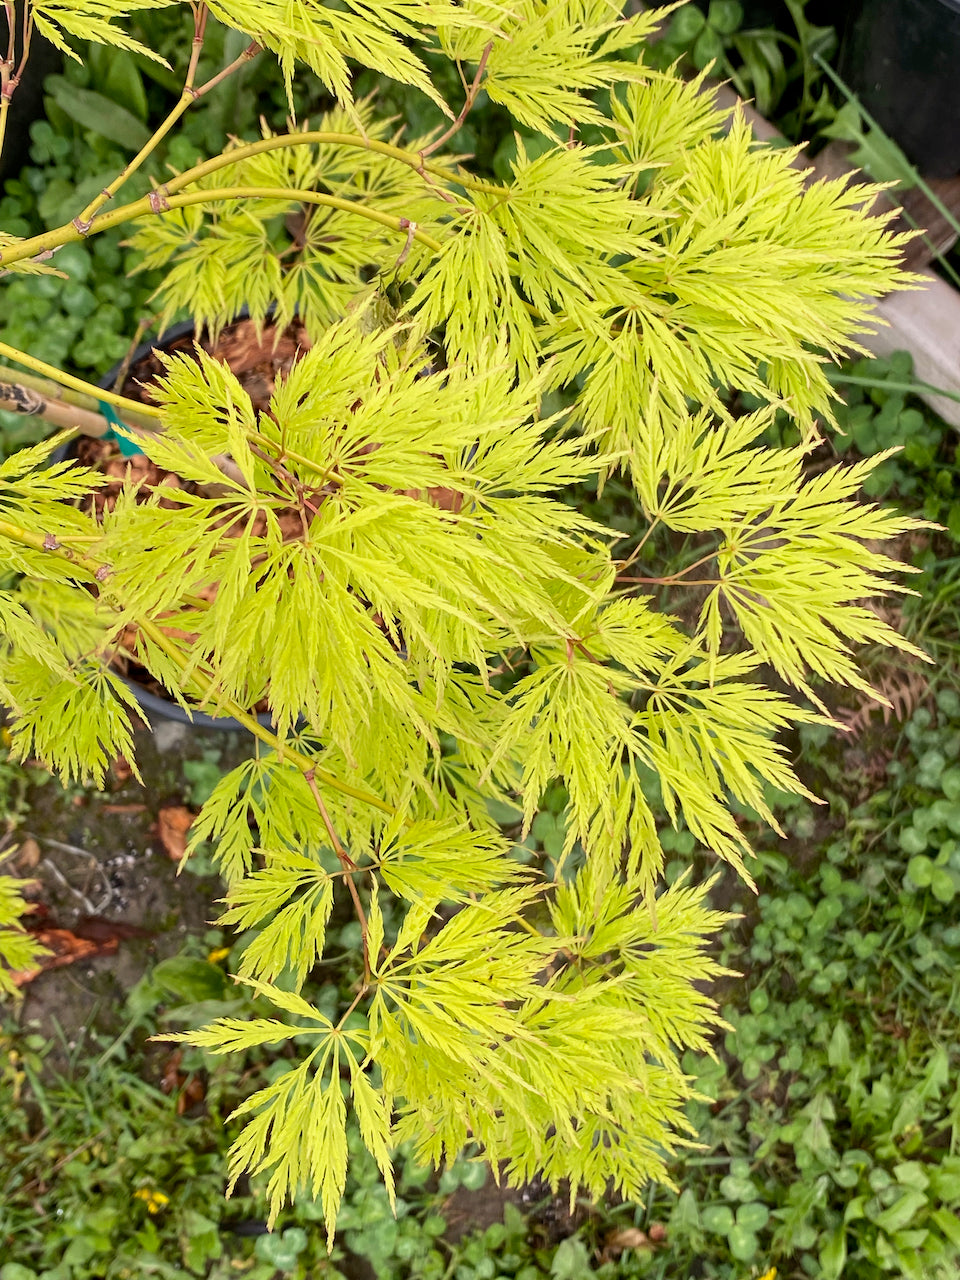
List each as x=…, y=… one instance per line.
x=389, y=551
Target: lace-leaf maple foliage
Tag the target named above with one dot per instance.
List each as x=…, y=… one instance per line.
x=441, y=629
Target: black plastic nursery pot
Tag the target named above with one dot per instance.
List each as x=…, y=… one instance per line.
x=902, y=59
x=153, y=706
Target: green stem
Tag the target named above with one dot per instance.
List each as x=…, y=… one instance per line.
x=78, y=400
x=159, y=202
x=83, y=220
x=39, y=542
x=187, y=98
x=77, y=384
x=4, y=116
x=8, y=81
x=69, y=233
x=317, y=137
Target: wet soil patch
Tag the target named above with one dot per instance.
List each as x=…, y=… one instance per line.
x=102, y=875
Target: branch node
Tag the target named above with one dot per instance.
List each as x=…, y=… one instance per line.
x=158, y=200
x=50, y=543
x=83, y=226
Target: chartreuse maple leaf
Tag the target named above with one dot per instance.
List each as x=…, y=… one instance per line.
x=291, y=899
x=616, y=986
x=381, y=37
x=222, y=257
x=19, y=950
x=439, y=861
x=548, y=55
x=92, y=20
x=385, y=555
x=376, y=561
x=298, y=1125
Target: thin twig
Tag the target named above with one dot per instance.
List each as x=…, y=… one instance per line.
x=199, y=30
x=17, y=398
x=11, y=12
x=641, y=544
x=468, y=102
x=146, y=323
x=188, y=96
x=679, y=576
x=161, y=201
x=356, y=1000
x=348, y=864
x=76, y=384
x=8, y=82
x=666, y=582
x=38, y=247
x=249, y=53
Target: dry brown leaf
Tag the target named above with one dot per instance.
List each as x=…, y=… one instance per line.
x=634, y=1238
x=27, y=855
x=173, y=823
x=121, y=771
x=65, y=948
x=900, y=691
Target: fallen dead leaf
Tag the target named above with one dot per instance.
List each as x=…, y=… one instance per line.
x=173, y=823
x=170, y=1077
x=27, y=855
x=121, y=770
x=190, y=1089
x=634, y=1238
x=191, y=1095
x=64, y=948
x=98, y=929
x=123, y=808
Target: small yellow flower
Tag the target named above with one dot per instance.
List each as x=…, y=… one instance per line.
x=770, y=1275
x=218, y=954
x=154, y=1200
